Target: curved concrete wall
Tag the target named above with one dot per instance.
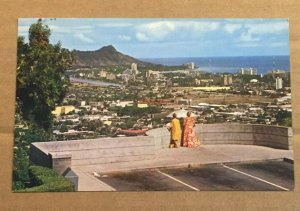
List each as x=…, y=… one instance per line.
x=61, y=155
x=262, y=135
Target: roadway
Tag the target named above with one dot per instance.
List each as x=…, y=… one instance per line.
x=271, y=175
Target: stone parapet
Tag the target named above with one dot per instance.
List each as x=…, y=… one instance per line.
x=61, y=161
x=248, y=134
x=61, y=155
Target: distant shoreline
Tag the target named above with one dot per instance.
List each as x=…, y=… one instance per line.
x=205, y=57
x=263, y=64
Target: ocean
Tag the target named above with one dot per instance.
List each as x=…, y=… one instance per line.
x=263, y=64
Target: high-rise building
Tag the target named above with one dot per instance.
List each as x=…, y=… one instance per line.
x=278, y=83
x=192, y=65
x=278, y=73
x=248, y=71
x=227, y=80
x=134, y=68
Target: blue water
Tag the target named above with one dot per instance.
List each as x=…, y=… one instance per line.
x=263, y=64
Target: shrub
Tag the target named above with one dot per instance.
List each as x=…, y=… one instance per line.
x=47, y=180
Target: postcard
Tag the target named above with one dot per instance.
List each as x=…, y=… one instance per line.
x=137, y=104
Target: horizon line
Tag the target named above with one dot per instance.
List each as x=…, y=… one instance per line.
x=208, y=56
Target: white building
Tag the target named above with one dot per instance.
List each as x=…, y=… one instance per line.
x=248, y=71
x=153, y=74
x=102, y=74
x=134, y=68
x=192, y=65
x=278, y=83
x=82, y=103
x=253, y=80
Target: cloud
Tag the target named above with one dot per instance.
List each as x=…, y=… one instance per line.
x=142, y=37
x=247, y=37
x=249, y=44
x=124, y=37
x=84, y=29
x=200, y=26
x=23, y=29
x=278, y=44
x=84, y=38
x=267, y=28
x=156, y=31
x=114, y=25
x=26, y=21
x=231, y=27
x=269, y=44
x=255, y=33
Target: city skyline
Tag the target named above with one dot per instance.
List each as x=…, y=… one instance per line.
x=167, y=38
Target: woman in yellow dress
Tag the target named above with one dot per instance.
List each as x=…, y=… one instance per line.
x=189, y=135
x=175, y=132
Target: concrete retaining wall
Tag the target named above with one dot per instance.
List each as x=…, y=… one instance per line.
x=61, y=155
x=161, y=137
x=262, y=135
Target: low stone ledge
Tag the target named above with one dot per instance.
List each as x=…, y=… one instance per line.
x=254, y=134
x=61, y=161
x=62, y=155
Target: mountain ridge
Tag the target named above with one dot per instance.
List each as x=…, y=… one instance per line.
x=105, y=56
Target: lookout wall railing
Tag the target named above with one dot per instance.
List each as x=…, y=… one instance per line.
x=247, y=134
x=61, y=155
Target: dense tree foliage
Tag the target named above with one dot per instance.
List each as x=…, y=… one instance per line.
x=284, y=118
x=41, y=84
x=41, y=75
x=23, y=137
x=46, y=180
x=135, y=111
x=93, y=125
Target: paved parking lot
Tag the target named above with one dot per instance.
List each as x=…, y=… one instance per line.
x=275, y=175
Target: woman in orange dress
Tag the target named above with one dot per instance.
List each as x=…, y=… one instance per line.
x=189, y=135
x=175, y=132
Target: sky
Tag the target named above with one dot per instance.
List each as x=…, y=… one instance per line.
x=166, y=38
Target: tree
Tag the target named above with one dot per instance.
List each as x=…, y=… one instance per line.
x=41, y=83
x=41, y=75
x=284, y=118
x=23, y=137
x=63, y=128
x=287, y=122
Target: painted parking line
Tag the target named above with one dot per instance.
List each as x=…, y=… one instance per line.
x=249, y=175
x=177, y=180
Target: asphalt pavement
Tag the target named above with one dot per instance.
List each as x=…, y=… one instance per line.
x=259, y=176
x=208, y=167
